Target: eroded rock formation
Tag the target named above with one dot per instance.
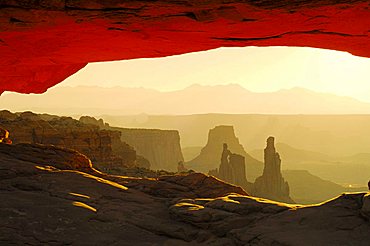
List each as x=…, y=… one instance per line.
x=87, y=206
x=103, y=147
x=232, y=169
x=46, y=156
x=271, y=184
x=225, y=171
x=44, y=42
x=237, y=163
x=209, y=157
x=92, y=121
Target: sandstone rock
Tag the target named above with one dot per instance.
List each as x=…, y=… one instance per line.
x=92, y=121
x=4, y=136
x=202, y=185
x=225, y=171
x=44, y=205
x=48, y=155
x=160, y=147
x=74, y=32
x=252, y=221
x=103, y=147
x=209, y=156
x=232, y=169
x=365, y=210
x=271, y=184
x=237, y=163
x=7, y=115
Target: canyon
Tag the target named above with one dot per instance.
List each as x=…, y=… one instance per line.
x=160, y=147
x=54, y=195
x=103, y=147
x=267, y=178
x=112, y=149
x=235, y=161
x=305, y=142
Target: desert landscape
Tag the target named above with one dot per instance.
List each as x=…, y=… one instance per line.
x=185, y=123
x=160, y=205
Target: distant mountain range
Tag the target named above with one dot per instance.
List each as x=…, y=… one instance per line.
x=196, y=99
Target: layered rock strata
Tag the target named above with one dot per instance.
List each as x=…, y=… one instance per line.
x=44, y=42
x=160, y=147
x=103, y=147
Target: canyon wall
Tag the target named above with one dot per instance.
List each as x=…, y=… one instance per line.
x=103, y=147
x=160, y=147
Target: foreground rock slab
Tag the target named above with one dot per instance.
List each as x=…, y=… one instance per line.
x=43, y=203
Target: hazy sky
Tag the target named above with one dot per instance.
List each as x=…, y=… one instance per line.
x=255, y=68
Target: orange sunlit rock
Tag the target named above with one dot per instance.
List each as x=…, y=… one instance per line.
x=42, y=43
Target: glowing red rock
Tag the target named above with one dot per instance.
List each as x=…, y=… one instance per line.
x=40, y=45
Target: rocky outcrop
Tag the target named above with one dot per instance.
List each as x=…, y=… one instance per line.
x=103, y=147
x=208, y=158
x=46, y=205
x=237, y=163
x=4, y=136
x=92, y=121
x=365, y=210
x=271, y=184
x=48, y=156
x=232, y=169
x=225, y=171
x=66, y=35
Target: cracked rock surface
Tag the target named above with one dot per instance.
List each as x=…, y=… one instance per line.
x=66, y=204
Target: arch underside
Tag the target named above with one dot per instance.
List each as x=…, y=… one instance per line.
x=42, y=44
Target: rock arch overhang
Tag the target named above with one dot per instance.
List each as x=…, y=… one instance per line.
x=43, y=42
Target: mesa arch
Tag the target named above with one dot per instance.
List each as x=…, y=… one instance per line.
x=44, y=42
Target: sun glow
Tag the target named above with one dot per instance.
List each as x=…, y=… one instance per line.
x=259, y=69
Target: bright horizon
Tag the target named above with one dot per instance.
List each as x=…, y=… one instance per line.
x=258, y=69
